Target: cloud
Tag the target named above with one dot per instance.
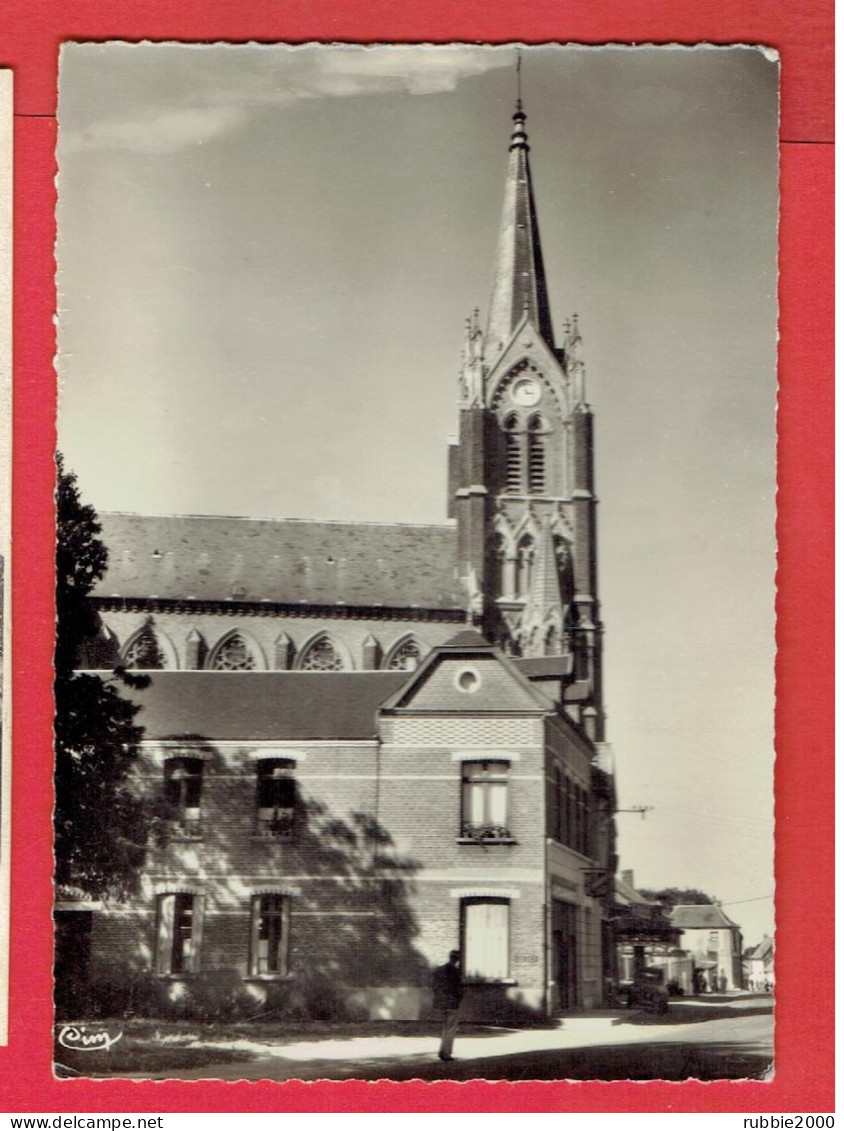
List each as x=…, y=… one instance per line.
x=417, y=70
x=172, y=96
x=166, y=132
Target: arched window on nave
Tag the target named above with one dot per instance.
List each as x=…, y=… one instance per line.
x=143, y=651
x=234, y=654
x=406, y=657
x=322, y=656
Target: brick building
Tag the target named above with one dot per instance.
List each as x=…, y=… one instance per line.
x=374, y=743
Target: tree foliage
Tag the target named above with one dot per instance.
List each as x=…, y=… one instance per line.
x=670, y=897
x=101, y=827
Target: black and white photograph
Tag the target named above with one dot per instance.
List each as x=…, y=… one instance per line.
x=416, y=499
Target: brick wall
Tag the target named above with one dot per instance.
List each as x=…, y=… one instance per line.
x=376, y=867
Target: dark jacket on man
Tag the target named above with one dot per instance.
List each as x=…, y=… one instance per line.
x=447, y=986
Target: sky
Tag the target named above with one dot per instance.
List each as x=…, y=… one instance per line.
x=266, y=256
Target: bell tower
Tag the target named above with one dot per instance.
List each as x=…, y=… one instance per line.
x=521, y=475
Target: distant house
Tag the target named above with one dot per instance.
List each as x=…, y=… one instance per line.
x=759, y=966
x=645, y=937
x=714, y=942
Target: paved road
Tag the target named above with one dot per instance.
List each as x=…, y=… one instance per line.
x=723, y=1040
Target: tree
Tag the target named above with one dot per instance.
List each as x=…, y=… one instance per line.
x=101, y=827
x=670, y=897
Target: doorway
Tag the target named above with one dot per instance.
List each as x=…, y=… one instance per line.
x=565, y=954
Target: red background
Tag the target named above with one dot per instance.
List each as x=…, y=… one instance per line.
x=30, y=34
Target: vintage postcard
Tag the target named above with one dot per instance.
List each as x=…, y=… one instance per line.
x=415, y=656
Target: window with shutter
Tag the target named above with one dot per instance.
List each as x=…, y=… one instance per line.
x=183, y=790
x=179, y=933
x=484, y=815
x=485, y=931
x=277, y=798
x=270, y=937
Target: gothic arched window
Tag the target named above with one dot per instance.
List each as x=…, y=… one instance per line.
x=562, y=552
x=513, y=455
x=322, y=656
x=536, y=456
x=234, y=655
x=496, y=553
x=406, y=657
x=143, y=651
x=524, y=565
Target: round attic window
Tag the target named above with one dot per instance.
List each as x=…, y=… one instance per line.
x=467, y=680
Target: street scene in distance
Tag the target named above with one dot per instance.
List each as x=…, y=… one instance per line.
x=429, y=764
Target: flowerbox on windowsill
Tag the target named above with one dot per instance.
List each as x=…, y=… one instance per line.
x=490, y=982
x=186, y=828
x=274, y=825
x=485, y=835
x=486, y=842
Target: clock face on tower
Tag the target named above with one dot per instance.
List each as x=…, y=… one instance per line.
x=526, y=392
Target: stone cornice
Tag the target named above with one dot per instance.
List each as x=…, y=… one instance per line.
x=304, y=610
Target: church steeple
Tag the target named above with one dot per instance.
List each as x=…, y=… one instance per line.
x=520, y=287
x=521, y=482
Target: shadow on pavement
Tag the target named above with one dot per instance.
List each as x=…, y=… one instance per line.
x=683, y=1014
x=613, y=1062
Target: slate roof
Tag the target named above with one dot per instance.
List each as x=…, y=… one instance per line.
x=264, y=705
x=625, y=894
x=287, y=561
x=707, y=915
x=762, y=950
x=467, y=638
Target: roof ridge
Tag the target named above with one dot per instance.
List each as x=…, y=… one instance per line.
x=302, y=521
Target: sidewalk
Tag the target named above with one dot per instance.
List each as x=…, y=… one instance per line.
x=737, y=1042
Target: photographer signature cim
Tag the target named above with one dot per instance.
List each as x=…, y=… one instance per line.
x=78, y=1038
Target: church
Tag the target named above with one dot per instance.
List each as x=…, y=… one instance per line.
x=371, y=744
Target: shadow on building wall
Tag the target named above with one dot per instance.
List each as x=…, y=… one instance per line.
x=352, y=925
x=353, y=931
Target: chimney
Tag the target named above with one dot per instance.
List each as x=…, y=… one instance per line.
x=627, y=877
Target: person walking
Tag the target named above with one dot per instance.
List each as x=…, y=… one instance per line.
x=447, y=985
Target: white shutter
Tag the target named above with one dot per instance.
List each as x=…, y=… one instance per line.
x=164, y=939
x=486, y=941
x=196, y=933
x=498, y=803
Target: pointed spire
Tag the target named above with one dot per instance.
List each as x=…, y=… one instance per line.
x=543, y=624
x=520, y=287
